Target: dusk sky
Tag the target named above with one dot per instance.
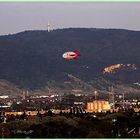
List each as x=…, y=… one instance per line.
x=21, y=16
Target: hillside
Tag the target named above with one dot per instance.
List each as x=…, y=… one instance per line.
x=31, y=59
x=7, y=88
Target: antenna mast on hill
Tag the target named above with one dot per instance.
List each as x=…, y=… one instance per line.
x=48, y=27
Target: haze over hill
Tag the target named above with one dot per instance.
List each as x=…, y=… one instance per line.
x=33, y=59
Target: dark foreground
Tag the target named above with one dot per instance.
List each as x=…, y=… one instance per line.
x=64, y=125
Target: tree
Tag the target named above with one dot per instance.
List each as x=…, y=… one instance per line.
x=95, y=134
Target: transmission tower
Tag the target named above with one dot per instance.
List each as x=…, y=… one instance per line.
x=111, y=98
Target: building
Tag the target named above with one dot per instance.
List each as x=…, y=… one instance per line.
x=33, y=113
x=98, y=106
x=4, y=97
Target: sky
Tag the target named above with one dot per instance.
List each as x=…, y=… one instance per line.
x=20, y=16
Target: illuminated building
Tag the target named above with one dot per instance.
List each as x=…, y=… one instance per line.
x=98, y=106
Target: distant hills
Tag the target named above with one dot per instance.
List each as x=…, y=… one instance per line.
x=33, y=59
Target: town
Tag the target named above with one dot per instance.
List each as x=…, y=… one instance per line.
x=27, y=107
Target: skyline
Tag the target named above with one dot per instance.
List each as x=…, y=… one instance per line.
x=17, y=17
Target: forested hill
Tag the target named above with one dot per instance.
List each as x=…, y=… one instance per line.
x=33, y=58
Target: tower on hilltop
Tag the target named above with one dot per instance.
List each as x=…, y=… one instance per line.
x=48, y=27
